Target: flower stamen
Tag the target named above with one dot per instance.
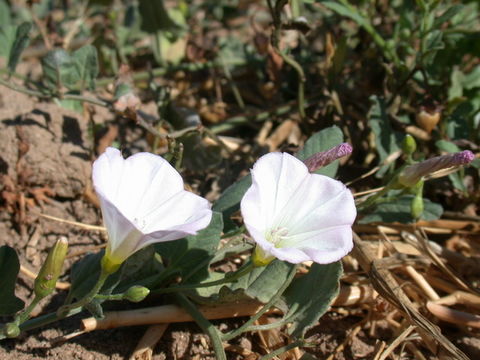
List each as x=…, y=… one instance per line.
x=277, y=235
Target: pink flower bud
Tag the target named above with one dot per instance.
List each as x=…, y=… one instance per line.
x=324, y=158
x=414, y=173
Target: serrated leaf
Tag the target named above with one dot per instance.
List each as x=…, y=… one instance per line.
x=399, y=210
x=9, y=268
x=322, y=141
x=192, y=255
x=20, y=43
x=86, y=63
x=310, y=296
x=261, y=284
x=229, y=201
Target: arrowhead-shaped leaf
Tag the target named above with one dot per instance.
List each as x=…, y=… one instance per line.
x=310, y=296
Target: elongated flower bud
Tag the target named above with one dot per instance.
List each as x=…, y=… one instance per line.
x=50, y=272
x=414, y=173
x=324, y=158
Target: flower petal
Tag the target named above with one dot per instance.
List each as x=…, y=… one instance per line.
x=320, y=202
x=123, y=236
x=297, y=216
x=275, y=179
x=182, y=211
x=143, y=201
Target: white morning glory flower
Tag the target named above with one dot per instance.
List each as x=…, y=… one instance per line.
x=143, y=201
x=296, y=216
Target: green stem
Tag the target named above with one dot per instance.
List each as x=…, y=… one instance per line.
x=277, y=24
x=273, y=325
x=25, y=314
x=46, y=319
x=42, y=95
x=265, y=308
x=65, y=309
x=24, y=90
x=87, y=99
x=205, y=325
x=114, y=297
x=233, y=86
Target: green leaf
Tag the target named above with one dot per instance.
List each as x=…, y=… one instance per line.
x=197, y=155
x=192, y=255
x=262, y=283
x=472, y=79
x=399, y=210
x=447, y=146
x=229, y=201
x=322, y=141
x=86, y=62
x=456, y=84
x=7, y=38
x=9, y=268
x=70, y=104
x=84, y=275
x=457, y=181
x=156, y=17
x=5, y=14
x=447, y=15
x=349, y=12
x=20, y=43
x=142, y=268
x=432, y=43
x=310, y=296
x=59, y=69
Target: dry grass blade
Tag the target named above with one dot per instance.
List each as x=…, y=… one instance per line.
x=74, y=223
x=387, y=287
x=424, y=243
x=144, y=349
x=395, y=343
x=453, y=316
x=349, y=295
